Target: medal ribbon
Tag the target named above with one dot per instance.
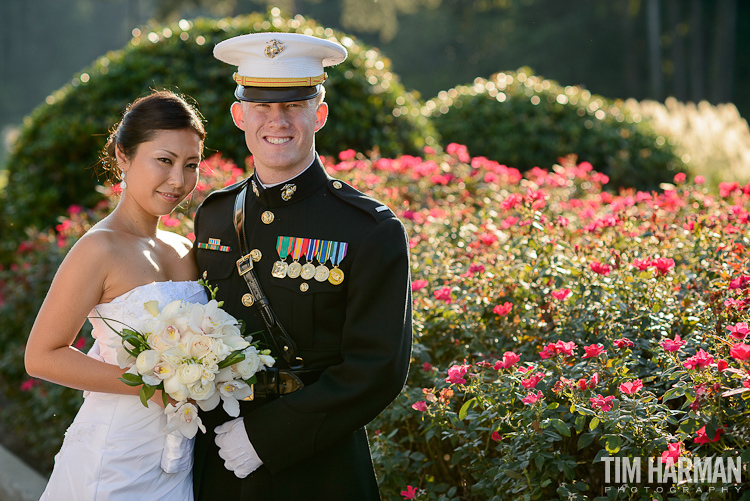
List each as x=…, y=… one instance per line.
x=312, y=249
x=297, y=248
x=339, y=253
x=324, y=251
x=282, y=246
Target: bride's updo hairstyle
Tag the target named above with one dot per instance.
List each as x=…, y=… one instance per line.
x=142, y=119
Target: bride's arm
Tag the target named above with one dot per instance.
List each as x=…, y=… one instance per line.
x=77, y=287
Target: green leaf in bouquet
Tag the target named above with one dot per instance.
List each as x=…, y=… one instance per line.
x=131, y=379
x=146, y=393
x=233, y=358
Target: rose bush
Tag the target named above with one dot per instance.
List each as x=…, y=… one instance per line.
x=556, y=324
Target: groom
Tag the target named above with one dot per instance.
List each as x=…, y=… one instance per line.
x=320, y=272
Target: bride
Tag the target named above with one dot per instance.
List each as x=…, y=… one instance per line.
x=113, y=450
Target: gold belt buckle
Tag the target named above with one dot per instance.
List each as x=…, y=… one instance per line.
x=252, y=395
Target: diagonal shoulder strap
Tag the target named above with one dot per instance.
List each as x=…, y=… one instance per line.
x=284, y=343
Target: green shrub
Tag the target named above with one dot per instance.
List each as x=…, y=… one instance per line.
x=51, y=165
x=525, y=121
x=577, y=282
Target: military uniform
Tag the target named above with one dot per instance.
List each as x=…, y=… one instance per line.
x=357, y=332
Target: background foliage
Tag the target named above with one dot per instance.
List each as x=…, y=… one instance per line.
x=51, y=166
x=578, y=283
x=527, y=121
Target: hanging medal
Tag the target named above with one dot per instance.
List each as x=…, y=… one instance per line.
x=299, y=247
x=336, y=276
x=308, y=269
x=324, y=252
x=280, y=267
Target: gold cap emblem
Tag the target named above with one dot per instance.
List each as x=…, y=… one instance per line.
x=287, y=191
x=273, y=48
x=267, y=217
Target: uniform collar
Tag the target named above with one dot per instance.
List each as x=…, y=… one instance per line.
x=294, y=190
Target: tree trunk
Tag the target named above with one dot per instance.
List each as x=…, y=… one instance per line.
x=629, y=56
x=722, y=60
x=697, y=64
x=679, y=74
x=653, y=24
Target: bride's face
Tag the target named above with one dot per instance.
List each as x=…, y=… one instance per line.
x=163, y=171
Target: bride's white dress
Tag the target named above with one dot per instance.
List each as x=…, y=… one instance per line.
x=113, y=449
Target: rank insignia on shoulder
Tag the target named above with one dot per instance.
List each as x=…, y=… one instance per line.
x=215, y=245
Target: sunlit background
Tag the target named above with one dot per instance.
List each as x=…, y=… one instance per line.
x=690, y=50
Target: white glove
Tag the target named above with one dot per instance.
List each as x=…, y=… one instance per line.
x=235, y=448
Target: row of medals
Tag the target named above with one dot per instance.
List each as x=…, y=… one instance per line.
x=321, y=273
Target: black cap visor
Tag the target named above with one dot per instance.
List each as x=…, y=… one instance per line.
x=275, y=94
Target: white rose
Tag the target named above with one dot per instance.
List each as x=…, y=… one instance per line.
x=200, y=346
x=248, y=367
x=189, y=373
x=208, y=375
x=267, y=360
x=174, y=356
x=220, y=349
x=175, y=389
x=157, y=343
x=146, y=361
x=210, y=360
x=201, y=391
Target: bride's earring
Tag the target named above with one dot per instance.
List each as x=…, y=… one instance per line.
x=123, y=184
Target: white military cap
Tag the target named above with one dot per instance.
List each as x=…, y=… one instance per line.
x=279, y=67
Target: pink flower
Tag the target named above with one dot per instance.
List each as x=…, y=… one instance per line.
x=28, y=384
x=698, y=361
x=427, y=367
x=642, y=264
x=699, y=180
x=496, y=436
x=418, y=285
x=594, y=381
x=670, y=345
x=532, y=398
x=739, y=330
x=603, y=403
x=420, y=406
x=701, y=437
x=600, y=268
x=663, y=265
x=582, y=384
x=170, y=222
x=740, y=282
x=347, y=155
x=410, y=492
x=680, y=177
x=565, y=348
x=508, y=361
x=561, y=294
x=532, y=381
x=631, y=387
x=721, y=365
x=623, y=343
x=549, y=351
x=443, y=294
x=672, y=454
x=740, y=351
x=503, y=309
x=593, y=350
x=456, y=374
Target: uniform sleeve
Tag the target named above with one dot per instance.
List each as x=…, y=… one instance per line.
x=376, y=349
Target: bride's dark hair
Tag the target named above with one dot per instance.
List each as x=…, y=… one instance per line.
x=160, y=110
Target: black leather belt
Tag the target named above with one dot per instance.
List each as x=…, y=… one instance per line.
x=273, y=382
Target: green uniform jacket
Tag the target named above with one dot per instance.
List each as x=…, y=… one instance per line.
x=312, y=442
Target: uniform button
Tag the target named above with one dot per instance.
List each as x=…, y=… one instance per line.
x=304, y=286
x=337, y=185
x=256, y=255
x=248, y=300
x=267, y=217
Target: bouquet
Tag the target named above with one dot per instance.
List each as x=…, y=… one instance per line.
x=194, y=353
